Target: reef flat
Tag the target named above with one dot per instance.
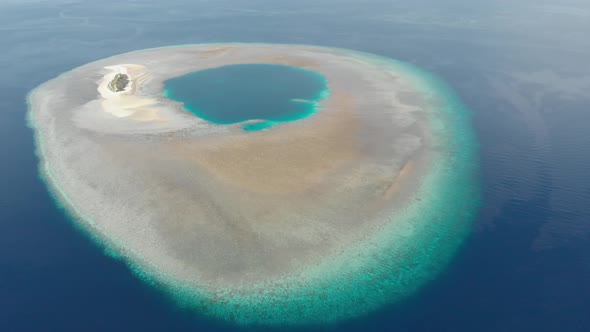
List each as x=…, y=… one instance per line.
x=119, y=83
x=311, y=221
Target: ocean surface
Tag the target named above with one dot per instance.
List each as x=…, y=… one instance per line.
x=264, y=93
x=521, y=68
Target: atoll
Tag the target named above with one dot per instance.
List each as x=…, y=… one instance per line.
x=316, y=220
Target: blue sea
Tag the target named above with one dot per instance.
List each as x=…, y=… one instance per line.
x=520, y=67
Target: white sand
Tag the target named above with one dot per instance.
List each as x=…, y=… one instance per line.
x=126, y=104
x=218, y=207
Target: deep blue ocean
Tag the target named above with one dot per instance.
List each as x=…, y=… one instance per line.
x=520, y=66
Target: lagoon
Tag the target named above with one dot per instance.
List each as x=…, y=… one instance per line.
x=257, y=95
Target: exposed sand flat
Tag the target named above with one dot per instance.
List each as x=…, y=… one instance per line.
x=125, y=103
x=230, y=213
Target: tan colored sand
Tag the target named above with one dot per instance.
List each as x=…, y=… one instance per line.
x=214, y=205
x=289, y=160
x=125, y=104
x=215, y=51
x=291, y=61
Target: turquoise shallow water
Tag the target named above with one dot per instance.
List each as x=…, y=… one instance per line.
x=259, y=94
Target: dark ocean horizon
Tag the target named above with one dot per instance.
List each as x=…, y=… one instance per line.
x=520, y=68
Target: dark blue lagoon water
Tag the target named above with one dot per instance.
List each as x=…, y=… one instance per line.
x=520, y=67
x=264, y=93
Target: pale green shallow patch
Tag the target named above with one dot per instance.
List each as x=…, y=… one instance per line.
x=387, y=267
